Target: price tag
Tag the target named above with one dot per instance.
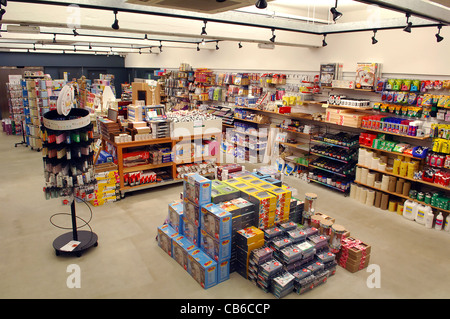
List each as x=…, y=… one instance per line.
x=325, y=105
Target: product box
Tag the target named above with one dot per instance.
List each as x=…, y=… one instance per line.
x=224, y=193
x=273, y=181
x=180, y=248
x=247, y=178
x=245, y=237
x=191, y=231
x=165, y=236
x=260, y=175
x=175, y=215
x=202, y=268
x=197, y=189
x=216, y=221
x=192, y=212
x=257, y=182
x=265, y=206
x=217, y=249
x=244, y=205
x=223, y=272
x=283, y=203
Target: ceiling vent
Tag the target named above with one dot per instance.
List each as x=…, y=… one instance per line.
x=203, y=6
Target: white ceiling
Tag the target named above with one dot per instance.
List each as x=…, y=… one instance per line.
x=295, y=23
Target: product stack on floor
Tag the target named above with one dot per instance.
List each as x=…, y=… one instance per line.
x=251, y=223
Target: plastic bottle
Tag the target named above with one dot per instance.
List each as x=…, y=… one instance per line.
x=410, y=209
x=429, y=219
x=447, y=223
x=422, y=211
x=439, y=221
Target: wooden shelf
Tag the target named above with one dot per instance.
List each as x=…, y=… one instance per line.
x=390, y=152
x=291, y=131
x=354, y=89
x=145, y=167
x=251, y=121
x=328, y=185
x=350, y=107
x=390, y=133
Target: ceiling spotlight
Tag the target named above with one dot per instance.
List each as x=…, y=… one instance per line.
x=75, y=33
x=204, y=28
x=240, y=45
x=217, y=45
x=115, y=25
x=272, y=39
x=261, y=4
x=324, y=43
x=374, y=41
x=198, y=48
x=54, y=38
x=336, y=14
x=408, y=24
x=439, y=38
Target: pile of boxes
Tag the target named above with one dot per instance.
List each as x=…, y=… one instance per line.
x=107, y=190
x=354, y=254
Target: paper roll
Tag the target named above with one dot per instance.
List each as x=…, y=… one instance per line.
x=382, y=166
x=368, y=158
x=399, y=186
x=370, y=179
x=396, y=167
x=362, y=156
x=362, y=195
x=384, y=201
x=385, y=182
x=364, y=172
x=406, y=188
x=400, y=209
x=375, y=162
x=370, y=197
x=377, y=184
x=353, y=188
x=358, y=191
x=377, y=202
x=383, y=158
x=412, y=167
x=358, y=174
x=392, y=206
x=392, y=183
x=403, y=169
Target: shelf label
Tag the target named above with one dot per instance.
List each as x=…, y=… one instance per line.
x=325, y=105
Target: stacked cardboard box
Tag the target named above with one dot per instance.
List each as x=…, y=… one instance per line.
x=247, y=240
x=345, y=117
x=354, y=254
x=107, y=176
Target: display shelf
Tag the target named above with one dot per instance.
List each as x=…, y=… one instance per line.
x=145, y=167
x=407, y=178
x=353, y=89
x=328, y=185
x=292, y=131
x=349, y=107
x=390, y=152
x=327, y=170
x=332, y=158
x=332, y=144
x=396, y=134
x=251, y=121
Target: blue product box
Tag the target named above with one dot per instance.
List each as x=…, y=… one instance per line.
x=197, y=188
x=216, y=221
x=181, y=246
x=175, y=216
x=223, y=271
x=192, y=212
x=218, y=249
x=273, y=181
x=190, y=231
x=260, y=175
x=202, y=268
x=165, y=236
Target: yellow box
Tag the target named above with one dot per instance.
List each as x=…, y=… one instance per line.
x=247, y=178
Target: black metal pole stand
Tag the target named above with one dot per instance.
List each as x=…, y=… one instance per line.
x=23, y=137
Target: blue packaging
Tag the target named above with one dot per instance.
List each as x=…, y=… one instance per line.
x=217, y=249
x=202, y=268
x=216, y=221
x=165, y=236
x=175, y=216
x=197, y=189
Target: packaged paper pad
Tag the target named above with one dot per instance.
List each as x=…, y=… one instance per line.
x=272, y=232
x=261, y=255
x=288, y=226
x=297, y=235
x=280, y=244
x=283, y=285
x=319, y=241
x=307, y=249
x=270, y=268
x=326, y=257
x=290, y=254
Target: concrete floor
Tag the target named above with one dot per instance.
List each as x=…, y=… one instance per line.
x=413, y=261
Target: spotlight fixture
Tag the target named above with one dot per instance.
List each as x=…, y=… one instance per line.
x=54, y=38
x=115, y=25
x=261, y=4
x=198, y=48
x=75, y=33
x=272, y=39
x=240, y=45
x=217, y=45
x=336, y=14
x=324, y=43
x=374, y=41
x=439, y=38
x=408, y=24
x=204, y=28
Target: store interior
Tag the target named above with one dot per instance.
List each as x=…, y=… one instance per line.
x=277, y=150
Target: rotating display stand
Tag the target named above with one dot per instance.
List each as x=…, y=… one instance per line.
x=68, y=170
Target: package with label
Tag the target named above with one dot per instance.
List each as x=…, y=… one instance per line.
x=283, y=202
x=273, y=181
x=197, y=188
x=223, y=271
x=224, y=193
x=181, y=247
x=202, y=268
x=247, y=178
x=216, y=221
x=223, y=171
x=217, y=249
x=354, y=254
x=175, y=215
x=283, y=284
x=265, y=205
x=191, y=231
x=192, y=212
x=260, y=175
x=165, y=236
x=244, y=205
x=245, y=237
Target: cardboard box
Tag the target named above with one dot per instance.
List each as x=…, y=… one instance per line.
x=191, y=231
x=224, y=193
x=181, y=246
x=216, y=221
x=192, y=212
x=223, y=272
x=165, y=236
x=245, y=237
x=202, y=268
x=197, y=189
x=265, y=206
x=247, y=178
x=175, y=215
x=283, y=203
x=217, y=249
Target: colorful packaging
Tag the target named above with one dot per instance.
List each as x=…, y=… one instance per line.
x=192, y=212
x=216, y=221
x=181, y=246
x=197, y=188
x=191, y=231
x=202, y=268
x=175, y=215
x=165, y=236
x=217, y=249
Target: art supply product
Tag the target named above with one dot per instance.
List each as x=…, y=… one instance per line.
x=337, y=233
x=385, y=182
x=447, y=223
x=370, y=197
x=310, y=202
x=370, y=179
x=353, y=188
x=384, y=201
x=325, y=227
x=358, y=174
x=403, y=169
x=410, y=209
x=315, y=221
x=362, y=195
x=396, y=166
x=406, y=188
x=400, y=208
x=392, y=206
x=374, y=163
x=399, y=186
x=382, y=166
x=377, y=184
x=364, y=172
x=362, y=156
x=429, y=220
x=439, y=221
x=392, y=183
x=377, y=202
x=368, y=158
x=422, y=212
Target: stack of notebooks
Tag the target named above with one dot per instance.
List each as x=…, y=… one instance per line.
x=267, y=272
x=283, y=285
x=108, y=127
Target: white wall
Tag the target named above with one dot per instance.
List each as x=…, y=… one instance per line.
x=398, y=51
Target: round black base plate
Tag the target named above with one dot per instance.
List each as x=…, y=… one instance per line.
x=88, y=239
